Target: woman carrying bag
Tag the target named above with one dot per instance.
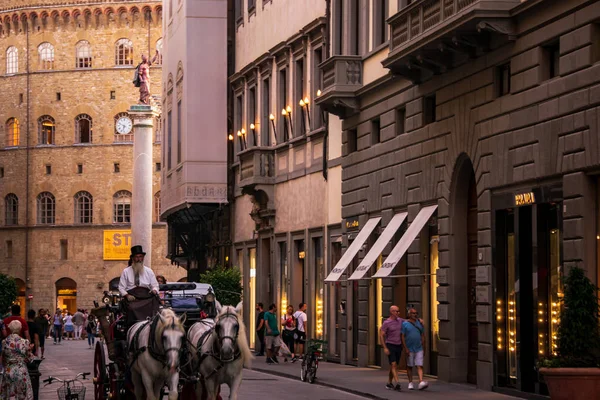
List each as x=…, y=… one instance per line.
x=289, y=328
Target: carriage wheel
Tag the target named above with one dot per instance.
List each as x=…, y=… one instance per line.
x=100, y=387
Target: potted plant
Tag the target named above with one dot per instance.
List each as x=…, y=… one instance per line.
x=574, y=373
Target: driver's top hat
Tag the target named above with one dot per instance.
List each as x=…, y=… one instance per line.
x=137, y=250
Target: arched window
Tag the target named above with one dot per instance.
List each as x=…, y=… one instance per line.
x=13, y=132
x=46, y=208
x=11, y=202
x=83, y=54
x=12, y=60
x=124, y=52
x=157, y=207
x=159, y=47
x=46, y=53
x=122, y=207
x=83, y=208
x=83, y=128
x=46, y=129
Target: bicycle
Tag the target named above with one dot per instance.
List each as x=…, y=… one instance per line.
x=310, y=363
x=72, y=389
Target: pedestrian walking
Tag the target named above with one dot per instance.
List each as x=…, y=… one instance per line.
x=413, y=339
x=301, y=329
x=42, y=324
x=78, y=321
x=16, y=353
x=69, y=327
x=288, y=322
x=272, y=339
x=390, y=338
x=15, y=314
x=90, y=329
x=34, y=332
x=260, y=328
x=57, y=326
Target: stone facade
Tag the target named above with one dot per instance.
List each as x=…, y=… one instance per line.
x=101, y=166
x=506, y=135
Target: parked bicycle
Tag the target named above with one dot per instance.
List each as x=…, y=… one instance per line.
x=71, y=389
x=315, y=349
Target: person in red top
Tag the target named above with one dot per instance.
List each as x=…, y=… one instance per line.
x=15, y=310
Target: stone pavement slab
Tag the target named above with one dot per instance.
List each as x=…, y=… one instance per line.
x=370, y=382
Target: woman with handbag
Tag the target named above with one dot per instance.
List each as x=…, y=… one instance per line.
x=289, y=328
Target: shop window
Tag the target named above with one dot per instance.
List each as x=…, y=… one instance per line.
x=285, y=278
x=252, y=289
x=319, y=266
x=66, y=295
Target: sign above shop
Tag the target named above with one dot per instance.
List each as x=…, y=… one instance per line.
x=117, y=244
x=352, y=223
x=524, y=199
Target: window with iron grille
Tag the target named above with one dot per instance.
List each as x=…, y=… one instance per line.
x=46, y=208
x=124, y=52
x=46, y=54
x=12, y=60
x=13, y=132
x=46, y=127
x=122, y=207
x=11, y=203
x=84, y=209
x=83, y=128
x=83, y=54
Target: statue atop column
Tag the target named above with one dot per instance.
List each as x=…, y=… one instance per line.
x=142, y=78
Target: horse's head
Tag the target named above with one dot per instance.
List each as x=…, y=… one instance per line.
x=171, y=332
x=227, y=328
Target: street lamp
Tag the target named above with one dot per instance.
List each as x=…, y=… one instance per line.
x=272, y=119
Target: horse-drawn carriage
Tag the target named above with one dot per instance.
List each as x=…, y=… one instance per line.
x=183, y=346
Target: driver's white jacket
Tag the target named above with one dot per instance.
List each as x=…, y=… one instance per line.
x=127, y=281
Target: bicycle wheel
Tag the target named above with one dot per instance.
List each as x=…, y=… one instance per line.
x=303, y=370
x=311, y=374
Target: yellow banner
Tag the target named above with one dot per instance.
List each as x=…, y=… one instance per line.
x=117, y=245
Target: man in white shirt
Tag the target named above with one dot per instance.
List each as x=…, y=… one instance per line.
x=301, y=329
x=137, y=275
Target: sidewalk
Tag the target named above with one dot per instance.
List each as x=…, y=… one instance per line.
x=370, y=382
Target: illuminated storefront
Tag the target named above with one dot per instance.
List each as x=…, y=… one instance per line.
x=66, y=295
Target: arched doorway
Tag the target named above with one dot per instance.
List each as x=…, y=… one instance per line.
x=113, y=285
x=463, y=267
x=21, y=296
x=66, y=294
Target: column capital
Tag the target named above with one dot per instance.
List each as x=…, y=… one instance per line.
x=143, y=111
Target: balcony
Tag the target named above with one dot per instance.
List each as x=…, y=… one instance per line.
x=429, y=37
x=257, y=167
x=342, y=77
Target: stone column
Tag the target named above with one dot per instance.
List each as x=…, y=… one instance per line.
x=141, y=207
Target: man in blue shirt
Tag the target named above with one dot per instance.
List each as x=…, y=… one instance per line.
x=413, y=339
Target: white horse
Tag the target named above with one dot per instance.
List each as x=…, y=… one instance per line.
x=154, y=349
x=220, y=352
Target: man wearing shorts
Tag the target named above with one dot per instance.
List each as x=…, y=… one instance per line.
x=413, y=338
x=272, y=339
x=390, y=337
x=301, y=325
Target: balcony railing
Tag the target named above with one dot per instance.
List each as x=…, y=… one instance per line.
x=257, y=166
x=460, y=29
x=342, y=77
x=122, y=138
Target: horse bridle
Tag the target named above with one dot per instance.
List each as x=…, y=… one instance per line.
x=237, y=354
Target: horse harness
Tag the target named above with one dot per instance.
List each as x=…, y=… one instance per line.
x=133, y=347
x=214, y=353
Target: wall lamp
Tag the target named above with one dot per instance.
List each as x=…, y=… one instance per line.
x=272, y=119
x=253, y=129
x=287, y=112
x=304, y=103
x=230, y=137
x=241, y=139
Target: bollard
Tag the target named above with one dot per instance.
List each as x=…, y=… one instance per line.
x=34, y=375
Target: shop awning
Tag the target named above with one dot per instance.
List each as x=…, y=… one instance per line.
x=402, y=246
x=348, y=256
x=373, y=254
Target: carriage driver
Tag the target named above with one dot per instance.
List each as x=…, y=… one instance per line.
x=137, y=275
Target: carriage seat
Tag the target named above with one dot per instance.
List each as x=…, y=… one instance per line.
x=145, y=306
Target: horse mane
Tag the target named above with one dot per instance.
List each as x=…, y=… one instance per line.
x=242, y=340
x=171, y=318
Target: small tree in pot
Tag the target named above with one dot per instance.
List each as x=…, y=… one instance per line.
x=575, y=372
x=8, y=293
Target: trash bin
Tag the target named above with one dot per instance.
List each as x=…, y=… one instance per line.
x=34, y=374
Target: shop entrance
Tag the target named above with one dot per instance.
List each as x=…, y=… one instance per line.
x=66, y=294
x=529, y=289
x=340, y=307
x=297, y=294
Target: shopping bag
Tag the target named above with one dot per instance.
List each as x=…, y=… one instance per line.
x=284, y=351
